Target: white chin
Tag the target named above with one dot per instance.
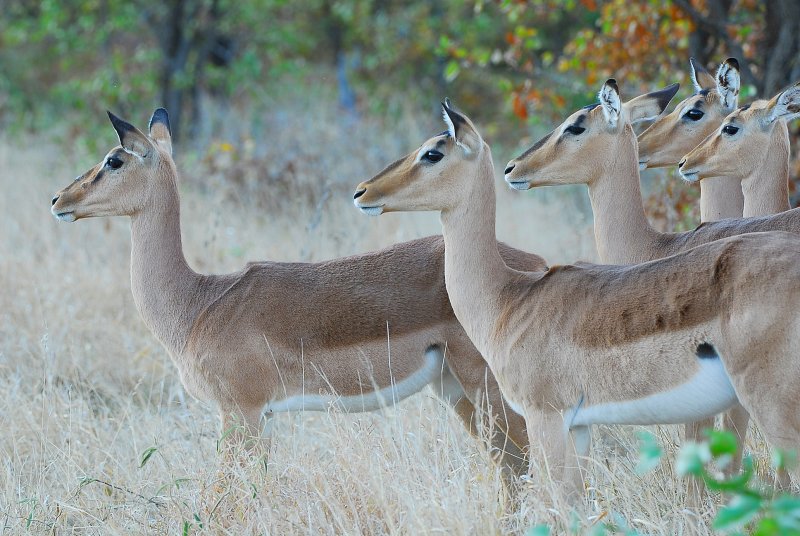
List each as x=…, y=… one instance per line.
x=642, y=166
x=689, y=177
x=372, y=211
x=65, y=216
x=519, y=185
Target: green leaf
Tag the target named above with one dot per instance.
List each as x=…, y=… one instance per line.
x=785, y=512
x=538, y=530
x=451, y=70
x=783, y=459
x=146, y=455
x=722, y=442
x=650, y=452
x=691, y=459
x=767, y=527
x=741, y=510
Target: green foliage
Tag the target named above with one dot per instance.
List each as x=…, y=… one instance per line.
x=650, y=452
x=752, y=507
x=147, y=454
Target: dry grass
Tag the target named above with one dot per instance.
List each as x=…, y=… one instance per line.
x=85, y=390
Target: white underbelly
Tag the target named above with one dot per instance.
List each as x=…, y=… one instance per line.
x=707, y=393
x=369, y=401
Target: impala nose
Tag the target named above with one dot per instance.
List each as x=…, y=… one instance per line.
x=509, y=169
x=681, y=163
x=359, y=193
x=53, y=202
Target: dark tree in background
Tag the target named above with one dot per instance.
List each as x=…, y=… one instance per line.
x=532, y=58
x=773, y=60
x=189, y=38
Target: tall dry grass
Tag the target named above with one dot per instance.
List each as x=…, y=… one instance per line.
x=86, y=392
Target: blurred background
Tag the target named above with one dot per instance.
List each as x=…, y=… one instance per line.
x=231, y=72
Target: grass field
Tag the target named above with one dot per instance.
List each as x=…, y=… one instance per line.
x=86, y=392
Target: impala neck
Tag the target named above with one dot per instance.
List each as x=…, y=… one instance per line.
x=474, y=271
x=720, y=198
x=165, y=288
x=766, y=190
x=622, y=232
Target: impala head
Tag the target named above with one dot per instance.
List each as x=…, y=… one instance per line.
x=670, y=137
x=740, y=144
x=576, y=150
x=121, y=184
x=431, y=177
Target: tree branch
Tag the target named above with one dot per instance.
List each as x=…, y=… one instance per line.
x=720, y=30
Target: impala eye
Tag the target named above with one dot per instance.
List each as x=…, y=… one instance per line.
x=575, y=130
x=432, y=156
x=114, y=162
x=694, y=114
x=730, y=130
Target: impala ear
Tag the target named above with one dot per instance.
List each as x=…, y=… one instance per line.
x=785, y=105
x=609, y=101
x=130, y=137
x=728, y=82
x=159, y=129
x=650, y=105
x=701, y=78
x=461, y=129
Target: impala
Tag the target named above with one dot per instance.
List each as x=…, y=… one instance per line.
x=356, y=333
x=673, y=135
x=752, y=148
x=603, y=155
x=669, y=341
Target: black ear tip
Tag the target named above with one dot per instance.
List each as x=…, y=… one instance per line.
x=733, y=62
x=613, y=83
x=447, y=103
x=119, y=124
x=160, y=116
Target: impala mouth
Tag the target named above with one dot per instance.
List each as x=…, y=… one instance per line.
x=642, y=165
x=375, y=210
x=64, y=216
x=690, y=176
x=520, y=185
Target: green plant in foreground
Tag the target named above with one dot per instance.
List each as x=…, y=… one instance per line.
x=753, y=508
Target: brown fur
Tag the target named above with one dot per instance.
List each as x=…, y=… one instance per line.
x=277, y=330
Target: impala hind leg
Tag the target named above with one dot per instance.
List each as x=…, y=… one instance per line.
x=695, y=487
x=779, y=422
x=736, y=420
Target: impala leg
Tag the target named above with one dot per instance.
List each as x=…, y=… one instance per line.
x=240, y=435
x=557, y=452
x=696, y=488
x=736, y=420
x=475, y=396
x=780, y=424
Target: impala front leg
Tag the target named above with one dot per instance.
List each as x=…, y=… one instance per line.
x=558, y=452
x=240, y=435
